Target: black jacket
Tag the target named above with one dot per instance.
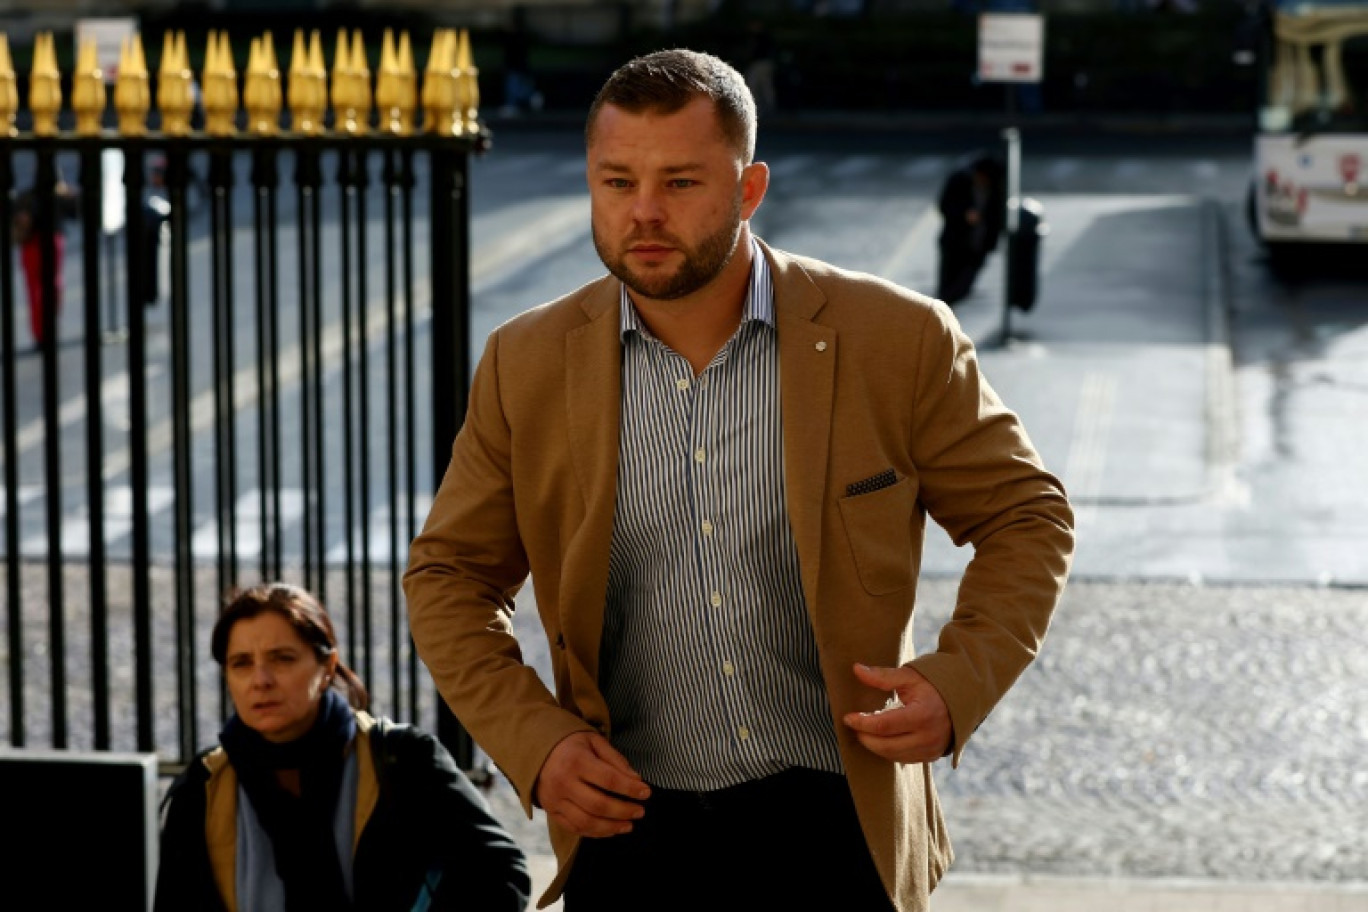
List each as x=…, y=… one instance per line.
x=957, y=197
x=428, y=825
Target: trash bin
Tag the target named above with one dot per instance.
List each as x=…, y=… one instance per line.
x=1023, y=255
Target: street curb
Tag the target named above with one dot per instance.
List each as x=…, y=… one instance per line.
x=1222, y=425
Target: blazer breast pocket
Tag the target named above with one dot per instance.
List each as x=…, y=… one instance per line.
x=878, y=527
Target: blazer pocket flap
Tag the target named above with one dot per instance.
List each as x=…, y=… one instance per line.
x=878, y=527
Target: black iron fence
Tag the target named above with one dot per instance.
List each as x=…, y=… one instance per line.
x=231, y=350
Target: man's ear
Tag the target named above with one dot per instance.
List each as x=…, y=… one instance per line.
x=754, y=183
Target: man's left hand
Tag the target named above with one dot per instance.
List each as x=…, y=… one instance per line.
x=914, y=728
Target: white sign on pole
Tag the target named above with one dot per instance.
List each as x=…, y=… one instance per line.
x=1011, y=47
x=109, y=36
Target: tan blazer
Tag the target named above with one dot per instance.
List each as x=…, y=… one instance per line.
x=872, y=377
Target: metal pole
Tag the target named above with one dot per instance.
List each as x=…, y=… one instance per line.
x=450, y=354
x=48, y=224
x=14, y=624
x=1012, y=136
x=135, y=264
x=95, y=492
x=177, y=175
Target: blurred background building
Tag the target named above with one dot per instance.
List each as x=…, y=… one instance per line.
x=1101, y=56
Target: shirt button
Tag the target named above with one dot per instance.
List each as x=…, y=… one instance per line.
x=743, y=733
x=716, y=599
x=728, y=669
x=700, y=455
x=681, y=384
x=707, y=527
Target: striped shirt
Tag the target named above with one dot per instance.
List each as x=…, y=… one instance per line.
x=709, y=663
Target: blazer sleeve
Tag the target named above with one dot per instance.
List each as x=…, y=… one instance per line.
x=464, y=569
x=984, y=483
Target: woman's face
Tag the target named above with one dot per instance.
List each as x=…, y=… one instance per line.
x=274, y=677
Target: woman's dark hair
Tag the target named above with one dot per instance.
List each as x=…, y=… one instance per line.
x=666, y=81
x=302, y=611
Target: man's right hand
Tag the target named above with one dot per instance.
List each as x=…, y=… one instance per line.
x=590, y=789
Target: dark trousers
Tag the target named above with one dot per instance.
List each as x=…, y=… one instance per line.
x=788, y=842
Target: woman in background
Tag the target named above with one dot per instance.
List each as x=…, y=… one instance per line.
x=308, y=802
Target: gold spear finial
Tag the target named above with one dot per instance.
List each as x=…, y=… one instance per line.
x=441, y=114
x=87, y=89
x=175, y=98
x=470, y=80
x=410, y=75
x=45, y=86
x=362, y=76
x=9, y=90
x=132, y=96
x=261, y=94
x=219, y=86
x=396, y=89
x=351, y=85
x=308, y=90
x=88, y=94
x=343, y=85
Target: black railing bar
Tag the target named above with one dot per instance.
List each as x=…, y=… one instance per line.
x=362, y=181
x=315, y=307
x=222, y=179
x=347, y=191
x=220, y=182
x=46, y=216
x=14, y=620
x=273, y=321
x=264, y=351
x=273, y=317
x=95, y=490
x=137, y=402
x=182, y=455
x=306, y=188
x=406, y=183
x=450, y=358
x=389, y=180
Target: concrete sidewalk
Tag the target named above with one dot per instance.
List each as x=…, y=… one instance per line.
x=989, y=893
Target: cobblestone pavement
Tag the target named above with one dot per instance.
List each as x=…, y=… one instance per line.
x=1167, y=730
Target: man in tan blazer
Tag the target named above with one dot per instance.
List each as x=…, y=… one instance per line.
x=716, y=464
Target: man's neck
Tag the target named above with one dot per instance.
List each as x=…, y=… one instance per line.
x=698, y=325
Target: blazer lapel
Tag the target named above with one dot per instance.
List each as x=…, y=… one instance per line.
x=807, y=379
x=593, y=389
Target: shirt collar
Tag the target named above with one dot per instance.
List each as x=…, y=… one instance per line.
x=759, y=298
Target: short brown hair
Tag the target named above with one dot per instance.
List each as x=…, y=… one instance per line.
x=666, y=81
x=302, y=611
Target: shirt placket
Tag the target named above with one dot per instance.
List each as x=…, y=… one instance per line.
x=710, y=535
